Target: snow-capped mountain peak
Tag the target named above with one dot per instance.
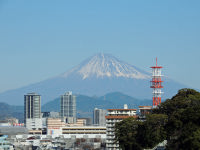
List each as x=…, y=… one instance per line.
x=105, y=65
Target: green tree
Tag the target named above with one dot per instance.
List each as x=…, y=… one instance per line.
x=177, y=120
x=183, y=112
x=152, y=131
x=126, y=132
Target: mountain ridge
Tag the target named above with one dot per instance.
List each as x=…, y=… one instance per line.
x=85, y=105
x=96, y=79
x=101, y=65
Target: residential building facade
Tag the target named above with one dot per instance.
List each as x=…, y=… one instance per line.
x=113, y=116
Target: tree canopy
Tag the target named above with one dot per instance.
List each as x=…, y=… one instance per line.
x=176, y=120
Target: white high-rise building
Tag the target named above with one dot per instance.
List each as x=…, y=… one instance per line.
x=68, y=107
x=116, y=115
x=99, y=117
x=32, y=111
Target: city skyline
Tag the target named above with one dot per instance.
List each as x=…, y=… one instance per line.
x=40, y=40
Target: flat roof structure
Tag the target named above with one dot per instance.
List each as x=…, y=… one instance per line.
x=13, y=130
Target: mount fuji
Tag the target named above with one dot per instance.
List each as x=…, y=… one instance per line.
x=102, y=66
x=98, y=75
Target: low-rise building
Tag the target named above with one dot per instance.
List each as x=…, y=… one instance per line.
x=88, y=121
x=5, y=144
x=12, y=130
x=34, y=123
x=46, y=115
x=14, y=122
x=54, y=126
x=79, y=122
x=143, y=111
x=4, y=123
x=84, y=131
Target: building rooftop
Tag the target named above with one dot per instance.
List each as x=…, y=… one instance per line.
x=33, y=93
x=122, y=109
x=119, y=117
x=145, y=107
x=10, y=130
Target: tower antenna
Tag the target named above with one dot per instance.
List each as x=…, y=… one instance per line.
x=156, y=61
x=156, y=84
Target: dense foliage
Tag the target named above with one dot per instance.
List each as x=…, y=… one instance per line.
x=127, y=133
x=176, y=120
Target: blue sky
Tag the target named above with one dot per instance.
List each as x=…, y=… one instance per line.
x=41, y=39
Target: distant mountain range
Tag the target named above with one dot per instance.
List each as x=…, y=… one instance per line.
x=85, y=105
x=9, y=111
x=98, y=75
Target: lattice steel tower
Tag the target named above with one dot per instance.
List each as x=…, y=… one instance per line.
x=156, y=84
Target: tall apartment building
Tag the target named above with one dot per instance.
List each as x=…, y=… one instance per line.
x=99, y=117
x=68, y=107
x=116, y=115
x=32, y=111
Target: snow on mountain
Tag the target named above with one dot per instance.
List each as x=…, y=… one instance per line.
x=98, y=75
x=105, y=65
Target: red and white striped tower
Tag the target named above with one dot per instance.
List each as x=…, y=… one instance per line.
x=156, y=84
